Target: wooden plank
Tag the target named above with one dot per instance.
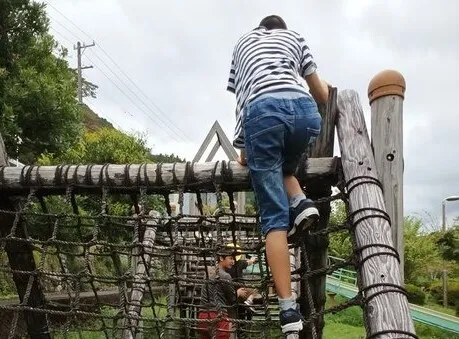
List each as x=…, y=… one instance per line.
x=206, y=142
x=387, y=311
x=20, y=257
x=156, y=177
x=324, y=144
x=225, y=143
x=387, y=142
x=213, y=151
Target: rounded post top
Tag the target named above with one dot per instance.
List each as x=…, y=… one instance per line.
x=387, y=82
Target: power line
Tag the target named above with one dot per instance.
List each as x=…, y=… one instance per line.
x=62, y=36
x=120, y=89
x=104, y=74
x=114, y=83
x=162, y=114
x=129, y=98
x=65, y=27
x=160, y=117
x=141, y=92
x=94, y=107
x=75, y=25
x=178, y=132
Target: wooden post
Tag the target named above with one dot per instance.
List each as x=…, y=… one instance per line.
x=20, y=256
x=386, y=93
x=323, y=146
x=316, y=246
x=386, y=310
x=295, y=262
x=143, y=264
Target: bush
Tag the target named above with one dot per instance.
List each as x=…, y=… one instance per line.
x=415, y=294
x=436, y=290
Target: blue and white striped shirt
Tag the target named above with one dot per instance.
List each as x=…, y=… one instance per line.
x=264, y=61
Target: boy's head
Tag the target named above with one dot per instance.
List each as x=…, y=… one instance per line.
x=226, y=261
x=273, y=22
x=236, y=251
x=226, y=258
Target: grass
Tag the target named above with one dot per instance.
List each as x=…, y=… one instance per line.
x=343, y=331
x=348, y=324
x=439, y=308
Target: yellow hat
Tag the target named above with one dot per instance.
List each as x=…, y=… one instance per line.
x=231, y=245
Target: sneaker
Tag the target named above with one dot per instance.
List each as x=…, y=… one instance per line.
x=291, y=321
x=249, y=303
x=302, y=217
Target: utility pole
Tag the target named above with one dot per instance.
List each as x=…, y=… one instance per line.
x=80, y=49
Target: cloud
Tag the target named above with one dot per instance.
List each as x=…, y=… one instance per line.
x=178, y=53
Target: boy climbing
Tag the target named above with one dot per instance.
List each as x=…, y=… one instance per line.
x=276, y=121
x=219, y=299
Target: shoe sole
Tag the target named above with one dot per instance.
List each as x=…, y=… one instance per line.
x=303, y=221
x=292, y=327
x=292, y=335
x=250, y=307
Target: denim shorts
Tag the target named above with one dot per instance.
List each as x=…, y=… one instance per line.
x=278, y=128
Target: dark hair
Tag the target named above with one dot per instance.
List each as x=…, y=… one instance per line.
x=273, y=22
x=225, y=252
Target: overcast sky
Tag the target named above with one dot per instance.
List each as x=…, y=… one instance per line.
x=162, y=68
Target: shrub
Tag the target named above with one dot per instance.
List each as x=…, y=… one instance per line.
x=415, y=294
x=436, y=289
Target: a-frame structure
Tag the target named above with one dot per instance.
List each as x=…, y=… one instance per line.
x=223, y=142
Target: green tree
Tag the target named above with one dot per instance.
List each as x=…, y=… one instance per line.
x=449, y=244
x=37, y=88
x=105, y=145
x=422, y=255
x=340, y=243
x=166, y=158
x=108, y=145
x=20, y=22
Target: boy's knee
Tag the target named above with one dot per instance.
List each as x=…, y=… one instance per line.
x=269, y=230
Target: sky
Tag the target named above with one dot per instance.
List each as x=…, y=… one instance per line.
x=162, y=69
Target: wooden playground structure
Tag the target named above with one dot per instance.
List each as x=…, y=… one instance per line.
x=368, y=173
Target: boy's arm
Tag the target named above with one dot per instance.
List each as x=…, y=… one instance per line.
x=242, y=159
x=308, y=70
x=317, y=87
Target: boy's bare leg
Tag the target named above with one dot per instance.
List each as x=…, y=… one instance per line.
x=279, y=262
x=292, y=186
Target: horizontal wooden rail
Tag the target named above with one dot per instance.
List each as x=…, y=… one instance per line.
x=155, y=177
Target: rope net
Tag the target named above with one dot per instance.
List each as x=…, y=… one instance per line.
x=113, y=265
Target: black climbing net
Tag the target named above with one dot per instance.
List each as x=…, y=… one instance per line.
x=114, y=265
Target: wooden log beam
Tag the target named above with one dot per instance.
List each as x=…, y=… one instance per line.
x=156, y=177
x=20, y=257
x=386, y=310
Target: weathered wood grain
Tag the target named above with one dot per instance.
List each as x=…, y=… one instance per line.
x=156, y=177
x=316, y=248
x=20, y=257
x=388, y=311
x=143, y=262
x=323, y=146
x=387, y=142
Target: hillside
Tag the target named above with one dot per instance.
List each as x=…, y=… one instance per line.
x=92, y=122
